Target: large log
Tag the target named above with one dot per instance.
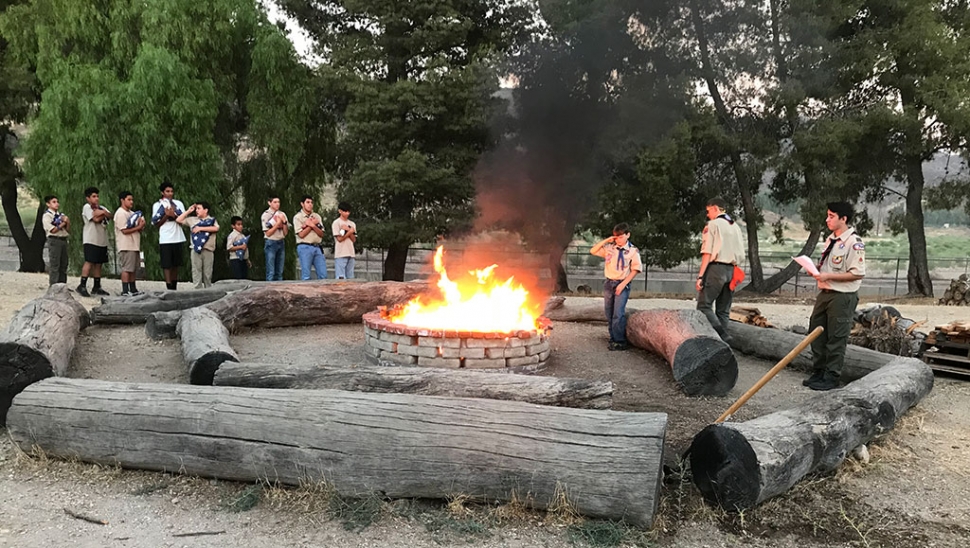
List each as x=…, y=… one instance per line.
x=163, y=325
x=134, y=310
x=205, y=344
x=702, y=364
x=579, y=313
x=294, y=304
x=426, y=381
x=38, y=342
x=773, y=344
x=740, y=465
x=606, y=464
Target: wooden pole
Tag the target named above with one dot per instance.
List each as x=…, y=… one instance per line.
x=770, y=374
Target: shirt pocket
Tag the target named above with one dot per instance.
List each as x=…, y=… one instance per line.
x=839, y=261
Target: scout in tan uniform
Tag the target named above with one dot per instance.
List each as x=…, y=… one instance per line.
x=309, y=235
x=622, y=265
x=56, y=226
x=722, y=249
x=94, y=236
x=841, y=269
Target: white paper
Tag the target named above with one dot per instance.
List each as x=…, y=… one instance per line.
x=807, y=264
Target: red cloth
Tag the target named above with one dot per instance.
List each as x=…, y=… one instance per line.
x=737, y=278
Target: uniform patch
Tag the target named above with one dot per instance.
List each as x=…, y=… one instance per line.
x=705, y=230
x=841, y=246
x=859, y=246
x=837, y=259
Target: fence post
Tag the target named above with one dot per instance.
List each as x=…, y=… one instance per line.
x=797, y=272
x=896, y=279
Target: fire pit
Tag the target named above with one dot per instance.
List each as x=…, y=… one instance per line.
x=390, y=343
x=474, y=322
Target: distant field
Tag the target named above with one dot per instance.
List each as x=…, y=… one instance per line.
x=941, y=243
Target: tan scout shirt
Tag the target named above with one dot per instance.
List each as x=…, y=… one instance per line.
x=722, y=239
x=48, y=220
x=93, y=233
x=346, y=247
x=300, y=220
x=267, y=221
x=234, y=236
x=616, y=269
x=848, y=254
x=126, y=242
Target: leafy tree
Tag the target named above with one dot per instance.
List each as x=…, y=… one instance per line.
x=414, y=81
x=16, y=97
x=135, y=93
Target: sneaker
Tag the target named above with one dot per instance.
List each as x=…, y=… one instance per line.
x=125, y=294
x=83, y=291
x=816, y=376
x=136, y=293
x=99, y=291
x=827, y=382
x=620, y=346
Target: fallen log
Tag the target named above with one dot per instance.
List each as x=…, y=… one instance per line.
x=425, y=381
x=702, y=364
x=38, y=342
x=134, y=310
x=310, y=303
x=740, y=465
x=605, y=464
x=163, y=325
x=579, y=313
x=205, y=344
x=773, y=344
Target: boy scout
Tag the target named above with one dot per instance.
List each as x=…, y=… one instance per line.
x=309, y=235
x=722, y=249
x=841, y=269
x=622, y=265
x=56, y=226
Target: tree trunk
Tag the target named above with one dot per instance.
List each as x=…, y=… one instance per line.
x=305, y=303
x=780, y=278
x=205, y=344
x=395, y=262
x=605, y=464
x=425, y=381
x=31, y=247
x=39, y=342
x=702, y=364
x=580, y=313
x=918, y=277
x=740, y=465
x=558, y=273
x=129, y=310
x=774, y=344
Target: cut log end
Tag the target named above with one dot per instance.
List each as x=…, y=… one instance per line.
x=725, y=468
x=20, y=367
x=204, y=369
x=705, y=366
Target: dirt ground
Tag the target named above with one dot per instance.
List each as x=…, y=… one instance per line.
x=915, y=492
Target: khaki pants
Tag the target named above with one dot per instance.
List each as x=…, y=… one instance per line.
x=833, y=311
x=57, y=255
x=202, y=268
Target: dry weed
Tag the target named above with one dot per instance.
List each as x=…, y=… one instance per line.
x=561, y=510
x=457, y=505
x=516, y=509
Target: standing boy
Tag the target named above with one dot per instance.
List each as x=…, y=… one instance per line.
x=722, y=249
x=128, y=227
x=275, y=228
x=203, y=226
x=95, y=238
x=309, y=235
x=56, y=226
x=841, y=269
x=171, y=239
x=622, y=265
x=345, y=235
x=238, y=246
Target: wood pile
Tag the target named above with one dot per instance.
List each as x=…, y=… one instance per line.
x=954, y=332
x=750, y=316
x=958, y=294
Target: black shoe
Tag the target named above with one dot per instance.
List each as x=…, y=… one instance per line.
x=621, y=346
x=827, y=382
x=99, y=291
x=816, y=376
x=83, y=291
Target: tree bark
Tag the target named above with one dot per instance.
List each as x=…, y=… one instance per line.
x=395, y=262
x=606, y=464
x=780, y=278
x=425, y=381
x=293, y=304
x=740, y=465
x=205, y=344
x=918, y=277
x=31, y=247
x=774, y=344
x=133, y=310
x=702, y=364
x=580, y=313
x=163, y=325
x=39, y=342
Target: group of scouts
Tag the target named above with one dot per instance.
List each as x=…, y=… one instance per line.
x=841, y=269
x=169, y=216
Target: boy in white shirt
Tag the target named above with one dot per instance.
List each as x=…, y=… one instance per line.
x=171, y=238
x=344, y=235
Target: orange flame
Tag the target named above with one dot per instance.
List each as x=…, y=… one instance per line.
x=479, y=303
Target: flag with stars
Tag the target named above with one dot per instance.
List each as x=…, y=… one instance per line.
x=200, y=238
x=157, y=216
x=133, y=220
x=240, y=253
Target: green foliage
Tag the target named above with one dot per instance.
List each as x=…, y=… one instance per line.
x=136, y=93
x=246, y=500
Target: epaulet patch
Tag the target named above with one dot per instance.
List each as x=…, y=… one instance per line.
x=705, y=229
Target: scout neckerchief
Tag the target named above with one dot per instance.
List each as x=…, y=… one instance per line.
x=56, y=220
x=828, y=250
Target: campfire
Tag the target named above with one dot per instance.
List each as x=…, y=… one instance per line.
x=474, y=321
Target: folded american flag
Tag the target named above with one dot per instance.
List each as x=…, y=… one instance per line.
x=240, y=253
x=104, y=222
x=157, y=216
x=133, y=220
x=200, y=238
x=56, y=221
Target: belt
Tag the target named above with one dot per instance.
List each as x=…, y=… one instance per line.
x=725, y=264
x=304, y=243
x=834, y=291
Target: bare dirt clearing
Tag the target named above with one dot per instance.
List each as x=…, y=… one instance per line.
x=914, y=492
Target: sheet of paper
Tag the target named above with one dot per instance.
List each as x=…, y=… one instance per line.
x=807, y=264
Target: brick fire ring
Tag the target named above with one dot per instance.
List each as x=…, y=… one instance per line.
x=390, y=343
